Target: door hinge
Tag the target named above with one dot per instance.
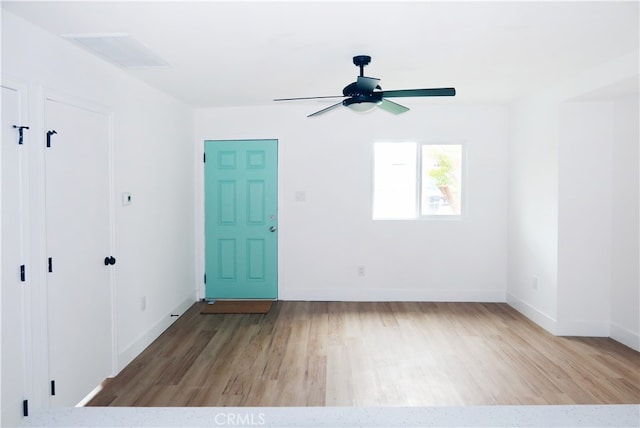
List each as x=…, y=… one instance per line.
x=205, y=278
x=20, y=129
x=204, y=157
x=49, y=134
x=23, y=276
x=25, y=408
x=53, y=387
x=50, y=264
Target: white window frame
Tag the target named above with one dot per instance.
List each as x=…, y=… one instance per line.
x=418, y=192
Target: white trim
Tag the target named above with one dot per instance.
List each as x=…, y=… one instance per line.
x=51, y=95
x=39, y=253
x=199, y=226
x=556, y=327
x=26, y=294
x=625, y=336
x=537, y=316
x=582, y=328
x=63, y=98
x=393, y=295
x=145, y=339
x=198, y=219
x=112, y=242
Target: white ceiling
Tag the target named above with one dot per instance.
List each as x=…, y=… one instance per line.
x=247, y=53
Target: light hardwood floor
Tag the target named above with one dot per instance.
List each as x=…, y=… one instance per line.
x=373, y=354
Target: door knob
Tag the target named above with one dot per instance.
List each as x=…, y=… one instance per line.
x=272, y=229
x=110, y=260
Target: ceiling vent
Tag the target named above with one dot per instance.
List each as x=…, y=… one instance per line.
x=118, y=48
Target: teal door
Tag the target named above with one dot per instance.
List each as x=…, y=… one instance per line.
x=241, y=224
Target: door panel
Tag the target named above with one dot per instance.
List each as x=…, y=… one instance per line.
x=241, y=237
x=13, y=289
x=78, y=240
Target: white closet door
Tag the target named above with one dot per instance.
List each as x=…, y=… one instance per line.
x=78, y=240
x=13, y=288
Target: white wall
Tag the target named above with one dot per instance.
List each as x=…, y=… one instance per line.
x=324, y=239
x=533, y=209
x=573, y=159
x=153, y=160
x=625, y=255
x=584, y=218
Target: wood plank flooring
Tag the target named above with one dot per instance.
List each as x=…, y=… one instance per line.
x=373, y=354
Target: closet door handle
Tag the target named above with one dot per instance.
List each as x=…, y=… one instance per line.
x=109, y=260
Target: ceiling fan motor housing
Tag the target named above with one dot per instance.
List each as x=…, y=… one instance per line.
x=375, y=98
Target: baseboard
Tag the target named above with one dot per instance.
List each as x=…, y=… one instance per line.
x=625, y=336
x=534, y=314
x=392, y=295
x=133, y=350
x=575, y=328
x=582, y=328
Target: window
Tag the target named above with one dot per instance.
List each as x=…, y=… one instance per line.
x=414, y=180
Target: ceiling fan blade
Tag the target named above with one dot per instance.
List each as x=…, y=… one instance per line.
x=392, y=107
x=308, y=98
x=367, y=84
x=324, y=110
x=434, y=92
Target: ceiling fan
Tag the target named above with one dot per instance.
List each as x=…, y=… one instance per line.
x=365, y=94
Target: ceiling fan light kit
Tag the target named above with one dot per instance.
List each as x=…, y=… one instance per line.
x=365, y=94
x=360, y=106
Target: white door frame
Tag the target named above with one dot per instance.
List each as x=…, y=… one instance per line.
x=41, y=306
x=21, y=89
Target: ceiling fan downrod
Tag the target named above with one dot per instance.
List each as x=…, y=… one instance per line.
x=361, y=61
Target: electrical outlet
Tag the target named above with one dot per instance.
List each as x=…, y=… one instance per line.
x=534, y=283
x=300, y=196
x=361, y=271
x=143, y=303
